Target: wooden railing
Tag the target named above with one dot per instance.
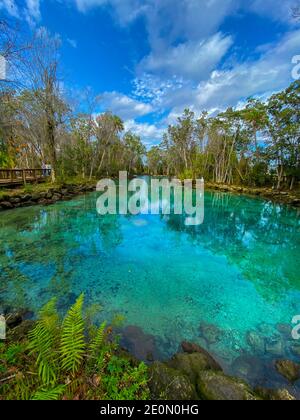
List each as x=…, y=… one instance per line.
x=22, y=176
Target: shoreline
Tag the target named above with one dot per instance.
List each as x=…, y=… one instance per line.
x=13, y=199
x=290, y=198
x=190, y=374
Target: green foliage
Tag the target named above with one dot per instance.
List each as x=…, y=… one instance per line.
x=97, y=342
x=49, y=394
x=43, y=341
x=124, y=382
x=57, y=361
x=72, y=339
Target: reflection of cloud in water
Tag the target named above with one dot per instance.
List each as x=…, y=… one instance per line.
x=140, y=222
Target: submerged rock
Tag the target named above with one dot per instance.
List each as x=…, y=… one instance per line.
x=256, y=342
x=295, y=349
x=210, y=332
x=218, y=387
x=285, y=330
x=140, y=344
x=248, y=367
x=288, y=369
x=275, y=346
x=274, y=394
x=195, y=348
x=170, y=384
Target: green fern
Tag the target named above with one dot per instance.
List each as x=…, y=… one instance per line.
x=49, y=394
x=42, y=342
x=72, y=338
x=98, y=340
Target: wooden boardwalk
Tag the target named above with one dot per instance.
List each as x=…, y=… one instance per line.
x=11, y=177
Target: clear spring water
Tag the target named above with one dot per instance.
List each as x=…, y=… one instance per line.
x=238, y=273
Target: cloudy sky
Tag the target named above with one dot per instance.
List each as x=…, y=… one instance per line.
x=150, y=59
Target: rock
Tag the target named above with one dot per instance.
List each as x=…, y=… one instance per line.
x=274, y=394
x=56, y=197
x=275, y=346
x=215, y=386
x=25, y=198
x=49, y=195
x=266, y=329
x=285, y=330
x=248, y=367
x=256, y=342
x=288, y=369
x=295, y=349
x=7, y=205
x=35, y=197
x=296, y=202
x=190, y=364
x=15, y=200
x=43, y=202
x=138, y=343
x=210, y=332
x=20, y=332
x=194, y=348
x=169, y=384
x=13, y=320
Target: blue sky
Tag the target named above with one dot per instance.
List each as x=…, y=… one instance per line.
x=149, y=59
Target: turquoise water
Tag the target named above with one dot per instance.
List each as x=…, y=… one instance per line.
x=238, y=273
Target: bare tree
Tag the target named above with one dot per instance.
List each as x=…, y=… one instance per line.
x=46, y=88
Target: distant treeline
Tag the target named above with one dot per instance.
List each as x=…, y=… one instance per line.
x=258, y=145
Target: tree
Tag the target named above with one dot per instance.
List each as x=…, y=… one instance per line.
x=46, y=90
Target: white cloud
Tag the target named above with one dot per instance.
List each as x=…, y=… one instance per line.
x=33, y=9
x=276, y=9
x=193, y=60
x=30, y=11
x=10, y=7
x=150, y=133
x=124, y=106
x=72, y=42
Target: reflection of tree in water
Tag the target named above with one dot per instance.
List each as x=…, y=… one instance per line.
x=258, y=236
x=52, y=242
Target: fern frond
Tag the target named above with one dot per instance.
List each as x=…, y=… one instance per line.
x=42, y=342
x=49, y=394
x=72, y=338
x=97, y=342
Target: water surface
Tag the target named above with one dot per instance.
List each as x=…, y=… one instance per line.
x=236, y=274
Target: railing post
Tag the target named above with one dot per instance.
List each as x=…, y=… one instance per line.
x=24, y=176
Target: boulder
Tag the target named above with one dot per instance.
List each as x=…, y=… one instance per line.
x=20, y=332
x=256, y=342
x=288, y=369
x=275, y=346
x=215, y=386
x=7, y=205
x=274, y=394
x=190, y=364
x=295, y=349
x=210, y=332
x=13, y=320
x=195, y=348
x=285, y=330
x=169, y=384
x=138, y=343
